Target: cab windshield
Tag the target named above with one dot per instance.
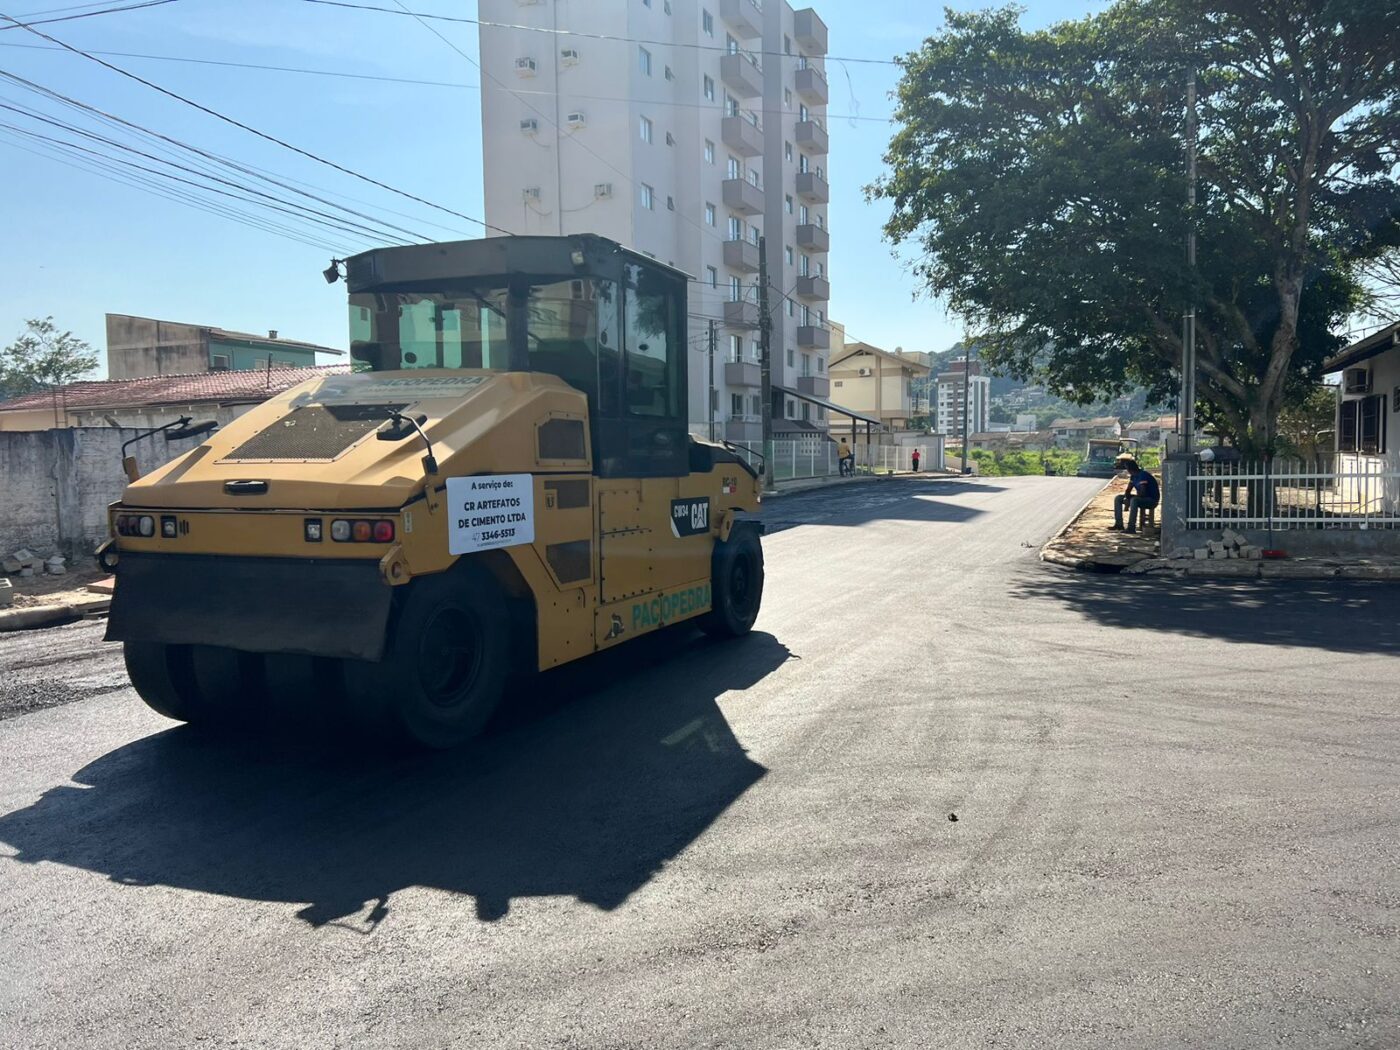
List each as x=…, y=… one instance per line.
x=463, y=326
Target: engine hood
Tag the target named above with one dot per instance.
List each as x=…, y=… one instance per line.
x=317, y=447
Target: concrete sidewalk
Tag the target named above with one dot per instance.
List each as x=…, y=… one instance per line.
x=1088, y=544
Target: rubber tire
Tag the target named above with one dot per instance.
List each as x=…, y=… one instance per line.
x=163, y=678
x=736, y=585
x=404, y=693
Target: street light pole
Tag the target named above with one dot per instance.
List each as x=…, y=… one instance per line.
x=1188, y=332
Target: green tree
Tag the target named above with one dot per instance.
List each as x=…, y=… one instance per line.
x=42, y=358
x=1043, y=176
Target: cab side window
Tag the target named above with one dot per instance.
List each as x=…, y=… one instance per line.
x=651, y=386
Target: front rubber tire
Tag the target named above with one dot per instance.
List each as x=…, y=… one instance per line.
x=445, y=666
x=164, y=678
x=736, y=585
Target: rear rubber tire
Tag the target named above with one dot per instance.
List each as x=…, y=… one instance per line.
x=736, y=585
x=163, y=678
x=445, y=666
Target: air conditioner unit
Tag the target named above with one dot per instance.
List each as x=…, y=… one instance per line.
x=530, y=126
x=867, y=371
x=576, y=120
x=219, y=362
x=603, y=190
x=525, y=67
x=1356, y=381
x=569, y=56
x=531, y=193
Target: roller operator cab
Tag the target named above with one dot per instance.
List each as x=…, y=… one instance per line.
x=503, y=483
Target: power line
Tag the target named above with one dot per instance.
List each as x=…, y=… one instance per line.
x=91, y=14
x=260, y=134
x=274, y=203
x=411, y=80
x=590, y=36
x=176, y=195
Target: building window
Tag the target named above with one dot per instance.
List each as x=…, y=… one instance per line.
x=731, y=105
x=736, y=404
x=801, y=109
x=787, y=251
x=645, y=128
x=736, y=348
x=709, y=152
x=736, y=228
x=806, y=364
x=754, y=234
x=802, y=163
x=733, y=168
x=787, y=98
x=821, y=412
x=787, y=151
x=1362, y=425
x=756, y=401
x=709, y=88
x=730, y=44
x=712, y=276
x=790, y=308
x=736, y=290
x=707, y=23
x=787, y=44
x=709, y=214
x=790, y=408
x=753, y=178
x=755, y=351
x=648, y=197
x=821, y=365
x=806, y=411
x=644, y=61
x=804, y=267
x=787, y=203
x=802, y=215
x=790, y=357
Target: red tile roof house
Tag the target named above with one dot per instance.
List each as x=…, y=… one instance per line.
x=153, y=400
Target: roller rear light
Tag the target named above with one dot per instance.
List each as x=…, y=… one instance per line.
x=345, y=530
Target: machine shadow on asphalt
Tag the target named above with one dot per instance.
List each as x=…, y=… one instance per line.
x=1344, y=616
x=601, y=773
x=909, y=501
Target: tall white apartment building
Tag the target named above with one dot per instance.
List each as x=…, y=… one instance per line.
x=685, y=129
x=952, y=386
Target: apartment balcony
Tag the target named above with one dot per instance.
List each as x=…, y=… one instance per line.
x=743, y=373
x=741, y=136
x=745, y=17
x=742, y=314
x=747, y=199
x=811, y=137
x=810, y=187
x=810, y=337
x=809, y=30
x=742, y=74
x=813, y=287
x=814, y=386
x=812, y=87
x=743, y=428
x=813, y=237
x=741, y=255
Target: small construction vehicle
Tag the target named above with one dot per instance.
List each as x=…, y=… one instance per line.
x=503, y=483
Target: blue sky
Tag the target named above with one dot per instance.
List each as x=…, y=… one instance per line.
x=77, y=246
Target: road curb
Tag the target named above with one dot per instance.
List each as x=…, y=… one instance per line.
x=50, y=615
x=1054, y=557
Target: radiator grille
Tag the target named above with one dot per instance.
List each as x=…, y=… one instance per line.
x=313, y=432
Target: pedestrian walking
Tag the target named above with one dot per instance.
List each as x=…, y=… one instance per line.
x=915, y=458
x=845, y=458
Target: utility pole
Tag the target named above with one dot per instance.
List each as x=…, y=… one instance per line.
x=712, y=380
x=1188, y=327
x=765, y=331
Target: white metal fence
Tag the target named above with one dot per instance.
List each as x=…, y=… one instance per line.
x=1334, y=491
x=818, y=459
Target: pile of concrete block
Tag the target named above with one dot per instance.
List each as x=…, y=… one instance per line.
x=1231, y=545
x=25, y=563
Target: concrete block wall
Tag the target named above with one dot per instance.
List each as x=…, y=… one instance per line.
x=55, y=485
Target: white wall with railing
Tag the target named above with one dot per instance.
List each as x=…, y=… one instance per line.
x=1330, y=491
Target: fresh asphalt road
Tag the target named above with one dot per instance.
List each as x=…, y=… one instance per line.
x=1176, y=803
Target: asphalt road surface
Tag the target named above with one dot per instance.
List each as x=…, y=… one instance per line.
x=1176, y=804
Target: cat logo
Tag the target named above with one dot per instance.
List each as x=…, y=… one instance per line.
x=615, y=631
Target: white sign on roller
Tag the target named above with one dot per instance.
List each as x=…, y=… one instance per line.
x=490, y=511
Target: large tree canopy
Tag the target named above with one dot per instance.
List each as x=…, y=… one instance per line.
x=1043, y=176
x=42, y=357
